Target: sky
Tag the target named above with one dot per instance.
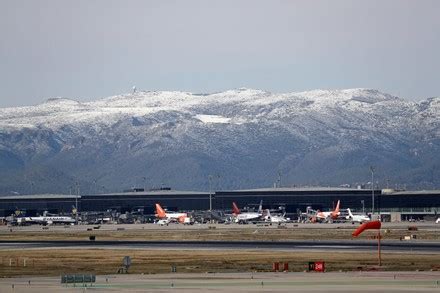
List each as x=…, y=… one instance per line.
x=85, y=49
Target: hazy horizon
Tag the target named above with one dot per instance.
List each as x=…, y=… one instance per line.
x=138, y=91
x=86, y=50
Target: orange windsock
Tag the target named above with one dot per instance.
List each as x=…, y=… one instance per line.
x=366, y=226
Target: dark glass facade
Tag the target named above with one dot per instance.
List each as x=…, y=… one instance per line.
x=291, y=199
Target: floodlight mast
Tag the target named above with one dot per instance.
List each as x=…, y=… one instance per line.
x=210, y=192
x=210, y=197
x=76, y=202
x=372, y=190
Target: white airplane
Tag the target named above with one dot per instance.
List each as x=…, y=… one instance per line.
x=357, y=218
x=167, y=217
x=46, y=220
x=328, y=216
x=438, y=221
x=240, y=217
x=275, y=218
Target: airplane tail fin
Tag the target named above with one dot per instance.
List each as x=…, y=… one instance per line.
x=349, y=213
x=160, y=212
x=335, y=213
x=235, y=209
x=337, y=207
x=260, y=207
x=268, y=213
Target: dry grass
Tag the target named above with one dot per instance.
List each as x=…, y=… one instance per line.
x=248, y=233
x=99, y=261
x=106, y=261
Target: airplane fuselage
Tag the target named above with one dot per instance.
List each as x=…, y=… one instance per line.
x=47, y=220
x=243, y=217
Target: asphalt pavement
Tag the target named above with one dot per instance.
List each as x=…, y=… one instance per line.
x=303, y=245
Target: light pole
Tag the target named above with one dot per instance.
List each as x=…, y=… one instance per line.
x=145, y=183
x=372, y=191
x=210, y=193
x=210, y=198
x=76, y=202
x=279, y=178
x=363, y=207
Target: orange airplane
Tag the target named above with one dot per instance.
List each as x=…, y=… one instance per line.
x=167, y=217
x=328, y=216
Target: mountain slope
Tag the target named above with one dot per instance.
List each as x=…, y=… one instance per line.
x=242, y=137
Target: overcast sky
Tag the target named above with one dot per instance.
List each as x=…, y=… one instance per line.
x=91, y=49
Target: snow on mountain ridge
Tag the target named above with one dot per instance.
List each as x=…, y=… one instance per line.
x=242, y=104
x=242, y=133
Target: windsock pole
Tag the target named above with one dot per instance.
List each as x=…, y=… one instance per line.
x=367, y=226
x=378, y=248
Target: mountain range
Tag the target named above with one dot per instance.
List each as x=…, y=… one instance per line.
x=242, y=138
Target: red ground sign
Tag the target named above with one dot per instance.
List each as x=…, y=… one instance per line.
x=317, y=266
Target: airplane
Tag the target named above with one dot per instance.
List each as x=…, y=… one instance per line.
x=240, y=217
x=46, y=220
x=329, y=216
x=357, y=218
x=275, y=218
x=167, y=217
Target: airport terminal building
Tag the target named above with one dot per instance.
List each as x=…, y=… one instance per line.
x=293, y=200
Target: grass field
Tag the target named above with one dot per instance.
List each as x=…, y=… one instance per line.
x=98, y=261
x=107, y=261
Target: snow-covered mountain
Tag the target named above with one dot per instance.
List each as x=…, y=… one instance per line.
x=243, y=138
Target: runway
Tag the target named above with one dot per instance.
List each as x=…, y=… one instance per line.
x=300, y=245
x=358, y=282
